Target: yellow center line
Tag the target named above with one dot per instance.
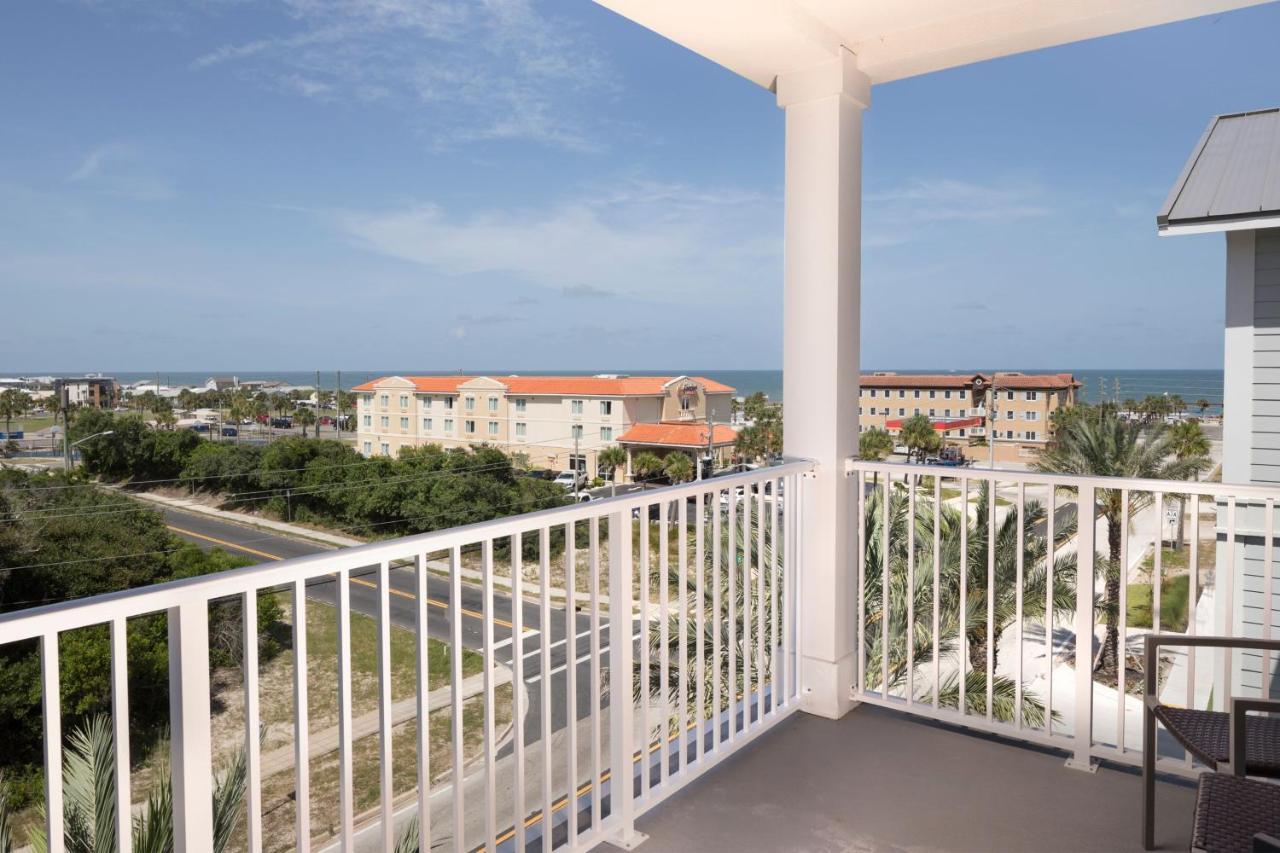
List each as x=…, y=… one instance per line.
x=443, y=605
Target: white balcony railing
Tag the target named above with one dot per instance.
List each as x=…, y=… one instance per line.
x=686, y=595
x=1179, y=557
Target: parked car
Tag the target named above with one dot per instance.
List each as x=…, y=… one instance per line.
x=200, y=427
x=282, y=423
x=571, y=479
x=230, y=432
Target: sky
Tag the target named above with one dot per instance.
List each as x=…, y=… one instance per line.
x=515, y=184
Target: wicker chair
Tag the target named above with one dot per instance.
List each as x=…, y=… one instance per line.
x=1249, y=745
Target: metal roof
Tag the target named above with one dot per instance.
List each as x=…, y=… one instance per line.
x=1232, y=180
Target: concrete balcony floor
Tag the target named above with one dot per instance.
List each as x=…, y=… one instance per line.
x=878, y=780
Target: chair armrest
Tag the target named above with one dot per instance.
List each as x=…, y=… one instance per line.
x=1239, y=708
x=1152, y=642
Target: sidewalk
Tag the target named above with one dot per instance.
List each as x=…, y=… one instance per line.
x=326, y=741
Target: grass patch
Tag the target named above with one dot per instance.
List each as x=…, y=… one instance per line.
x=1173, y=604
x=1178, y=561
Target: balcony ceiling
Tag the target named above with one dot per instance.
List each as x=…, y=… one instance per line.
x=761, y=39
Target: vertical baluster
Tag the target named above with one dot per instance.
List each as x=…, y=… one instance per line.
x=544, y=669
x=597, y=690
x=747, y=624
x=1157, y=563
x=571, y=676
x=717, y=619
x=860, y=527
x=1226, y=576
x=490, y=729
x=911, y=589
x=886, y=602
x=646, y=689
x=963, y=637
x=700, y=628
x=301, y=716
x=937, y=586
x=760, y=602
x=120, y=728
x=455, y=683
x=682, y=587
x=1050, y=535
x=992, y=636
x=775, y=598
x=386, y=787
x=1017, y=599
x=517, y=686
x=51, y=694
x=622, y=713
x=664, y=637
x=1193, y=582
x=346, y=787
x=1268, y=569
x=1123, y=619
x=191, y=746
x=423, y=689
x=731, y=560
x=1086, y=511
x=252, y=736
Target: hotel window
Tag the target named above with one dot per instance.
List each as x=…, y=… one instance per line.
x=932, y=412
x=901, y=393
x=1008, y=415
x=606, y=433
x=946, y=413
x=367, y=399
x=448, y=424
x=386, y=449
x=368, y=421
x=1031, y=436
x=471, y=404
x=521, y=429
x=933, y=394
x=404, y=401
x=575, y=407
x=873, y=392
x=947, y=394
x=606, y=407
x=448, y=403
x=426, y=402
x=521, y=405
x=384, y=422
x=470, y=427
x=886, y=411
x=859, y=410
x=577, y=430
x=493, y=404
x=901, y=412
x=1008, y=433
x=1031, y=395
x=1010, y=395
x=916, y=394
x=426, y=424
x=384, y=401
x=404, y=424
x=368, y=448
x=917, y=410
x=493, y=427
x=1031, y=416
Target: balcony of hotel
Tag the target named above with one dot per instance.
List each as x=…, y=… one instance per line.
x=822, y=654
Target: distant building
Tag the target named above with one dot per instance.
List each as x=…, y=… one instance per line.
x=94, y=392
x=1011, y=410
x=546, y=417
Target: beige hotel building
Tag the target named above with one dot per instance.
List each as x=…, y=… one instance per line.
x=543, y=416
x=1010, y=409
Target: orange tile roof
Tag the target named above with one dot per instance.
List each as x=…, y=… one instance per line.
x=918, y=380
x=683, y=434
x=1036, y=381
x=586, y=386
x=940, y=426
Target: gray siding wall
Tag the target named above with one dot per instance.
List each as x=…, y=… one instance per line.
x=1266, y=358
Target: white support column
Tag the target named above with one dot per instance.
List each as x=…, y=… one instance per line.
x=822, y=268
x=1237, y=385
x=191, y=749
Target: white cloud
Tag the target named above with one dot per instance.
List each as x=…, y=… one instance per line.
x=896, y=215
x=120, y=170
x=468, y=69
x=643, y=241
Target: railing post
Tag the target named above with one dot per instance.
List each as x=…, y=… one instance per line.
x=191, y=751
x=1086, y=527
x=622, y=808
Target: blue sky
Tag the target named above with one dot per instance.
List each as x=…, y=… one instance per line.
x=511, y=184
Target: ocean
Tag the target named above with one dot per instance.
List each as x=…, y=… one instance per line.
x=1192, y=385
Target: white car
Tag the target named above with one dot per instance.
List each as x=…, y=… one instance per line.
x=571, y=479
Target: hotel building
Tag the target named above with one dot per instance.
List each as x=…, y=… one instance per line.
x=1012, y=410
x=546, y=417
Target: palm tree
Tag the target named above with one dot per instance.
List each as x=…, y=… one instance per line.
x=1187, y=441
x=951, y=523
x=918, y=434
x=89, y=799
x=1107, y=446
x=306, y=417
x=1203, y=405
x=612, y=458
x=13, y=403
x=874, y=445
x=645, y=464
x=678, y=467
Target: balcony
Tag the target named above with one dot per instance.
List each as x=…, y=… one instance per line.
x=695, y=595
